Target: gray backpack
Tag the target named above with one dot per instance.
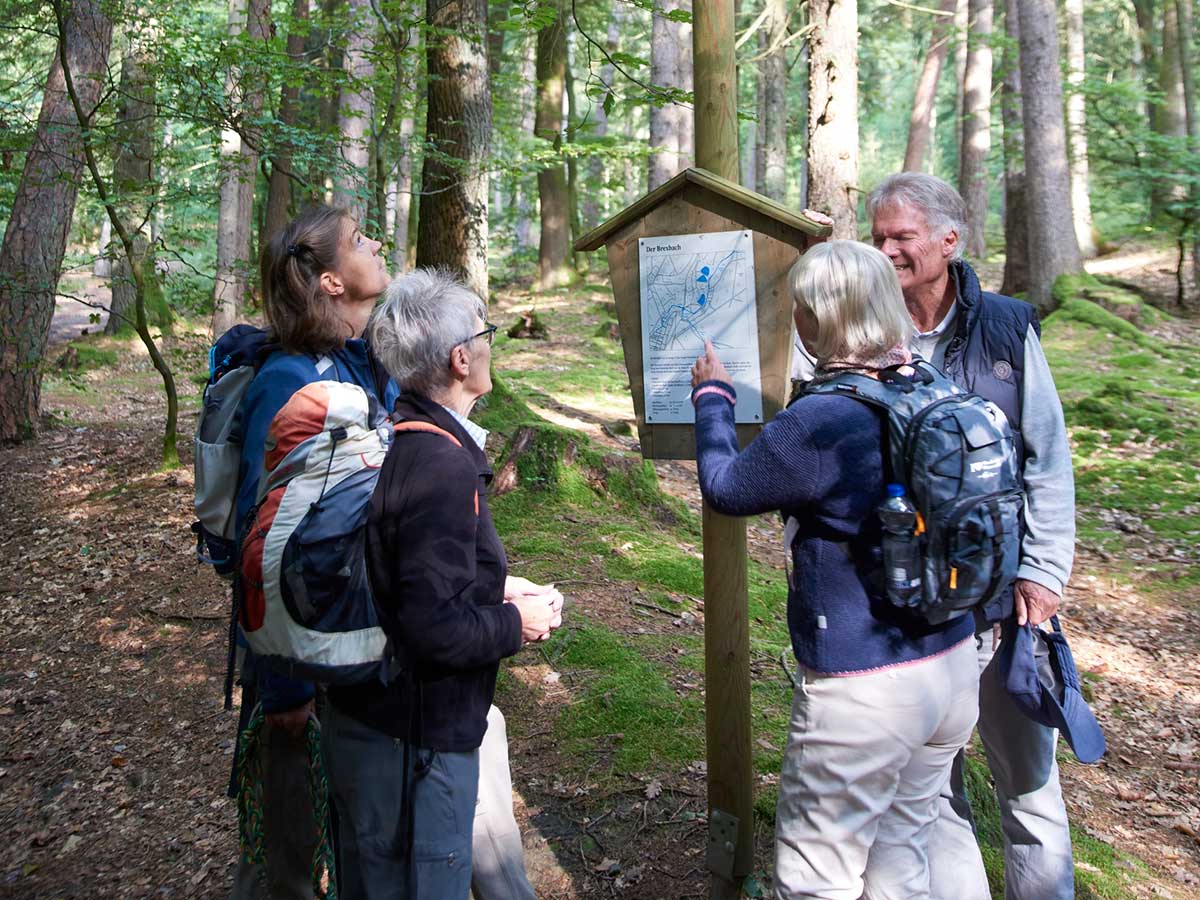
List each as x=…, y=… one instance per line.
x=953, y=451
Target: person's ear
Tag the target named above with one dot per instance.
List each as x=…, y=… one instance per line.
x=460, y=361
x=949, y=243
x=332, y=284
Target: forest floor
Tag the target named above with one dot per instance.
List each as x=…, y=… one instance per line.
x=115, y=749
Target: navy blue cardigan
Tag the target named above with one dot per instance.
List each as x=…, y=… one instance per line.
x=820, y=461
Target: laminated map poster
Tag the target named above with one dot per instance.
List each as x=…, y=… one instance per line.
x=697, y=287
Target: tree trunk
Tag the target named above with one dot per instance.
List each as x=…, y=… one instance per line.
x=355, y=111
x=920, y=123
x=570, y=137
x=833, y=114
x=773, y=122
x=35, y=236
x=135, y=135
x=524, y=229
x=403, y=198
x=663, y=161
x=233, y=213
x=279, y=192
x=452, y=230
x=685, y=125
x=1170, y=117
x=961, y=41
x=976, y=128
x=1144, y=14
x=102, y=267
x=1081, y=203
x=1053, y=250
x=594, y=207
x=553, y=266
x=1183, y=12
x=1016, y=234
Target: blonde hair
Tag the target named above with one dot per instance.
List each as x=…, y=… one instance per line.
x=853, y=295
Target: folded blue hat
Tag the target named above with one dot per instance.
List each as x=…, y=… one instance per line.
x=1038, y=671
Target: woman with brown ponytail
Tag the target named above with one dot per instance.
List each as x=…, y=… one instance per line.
x=320, y=277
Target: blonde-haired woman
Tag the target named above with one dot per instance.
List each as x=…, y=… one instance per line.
x=883, y=700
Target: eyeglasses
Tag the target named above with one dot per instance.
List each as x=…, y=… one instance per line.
x=488, y=334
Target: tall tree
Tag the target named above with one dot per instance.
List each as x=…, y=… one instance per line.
x=279, y=191
x=1170, y=113
x=529, y=103
x=35, y=236
x=976, y=127
x=553, y=247
x=1183, y=12
x=920, y=123
x=1016, y=228
x=1053, y=250
x=663, y=161
x=684, y=121
x=594, y=208
x=773, y=117
x=833, y=114
x=961, y=42
x=239, y=160
x=355, y=110
x=1081, y=204
x=452, y=228
x=136, y=142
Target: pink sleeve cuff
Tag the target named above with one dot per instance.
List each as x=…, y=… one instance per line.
x=713, y=389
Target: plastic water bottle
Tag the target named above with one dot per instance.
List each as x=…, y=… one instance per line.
x=901, y=547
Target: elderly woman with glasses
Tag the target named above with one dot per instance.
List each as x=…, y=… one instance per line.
x=884, y=700
x=403, y=759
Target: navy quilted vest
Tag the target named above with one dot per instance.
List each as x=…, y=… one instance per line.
x=987, y=356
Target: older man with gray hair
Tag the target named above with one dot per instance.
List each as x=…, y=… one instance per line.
x=990, y=344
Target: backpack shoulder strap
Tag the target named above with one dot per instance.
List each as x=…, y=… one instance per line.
x=859, y=387
x=416, y=425
x=411, y=425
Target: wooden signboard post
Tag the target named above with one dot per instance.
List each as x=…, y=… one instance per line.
x=708, y=201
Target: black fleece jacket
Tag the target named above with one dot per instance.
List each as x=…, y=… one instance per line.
x=437, y=570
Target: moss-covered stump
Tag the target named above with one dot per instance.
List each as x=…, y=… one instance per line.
x=529, y=326
x=1111, y=296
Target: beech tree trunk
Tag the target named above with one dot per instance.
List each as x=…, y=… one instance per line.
x=524, y=229
x=553, y=250
x=685, y=125
x=920, y=122
x=833, y=114
x=452, y=229
x=773, y=120
x=135, y=139
x=279, y=191
x=239, y=162
x=1016, y=233
x=1081, y=203
x=1053, y=250
x=402, y=202
x=663, y=161
x=977, y=124
x=355, y=111
x=1170, y=115
x=35, y=236
x=594, y=207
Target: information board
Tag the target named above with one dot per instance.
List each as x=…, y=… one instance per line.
x=697, y=287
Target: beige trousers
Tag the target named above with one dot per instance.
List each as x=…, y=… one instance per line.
x=866, y=758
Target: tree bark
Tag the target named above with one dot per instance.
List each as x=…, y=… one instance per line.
x=663, y=161
x=135, y=136
x=1170, y=116
x=524, y=229
x=1016, y=233
x=279, y=191
x=553, y=267
x=976, y=128
x=356, y=111
x=1053, y=250
x=920, y=122
x=1183, y=12
x=773, y=121
x=594, y=207
x=961, y=40
x=1081, y=203
x=1144, y=14
x=35, y=236
x=238, y=175
x=684, y=80
x=403, y=196
x=833, y=114
x=452, y=230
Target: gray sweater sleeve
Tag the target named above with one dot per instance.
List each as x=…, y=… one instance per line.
x=1049, y=545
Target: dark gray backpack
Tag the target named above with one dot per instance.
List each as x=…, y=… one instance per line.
x=953, y=452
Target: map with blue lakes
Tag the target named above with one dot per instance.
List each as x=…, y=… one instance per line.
x=698, y=287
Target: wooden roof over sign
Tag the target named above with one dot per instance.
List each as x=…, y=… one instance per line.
x=702, y=178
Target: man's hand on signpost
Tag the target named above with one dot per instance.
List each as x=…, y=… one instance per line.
x=709, y=368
